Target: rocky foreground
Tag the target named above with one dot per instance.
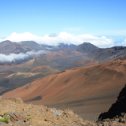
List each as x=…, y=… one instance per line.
x=14, y=112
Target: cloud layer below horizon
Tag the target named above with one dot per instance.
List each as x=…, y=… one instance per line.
x=19, y=57
x=62, y=37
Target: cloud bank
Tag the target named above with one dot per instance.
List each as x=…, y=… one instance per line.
x=62, y=37
x=19, y=57
x=124, y=42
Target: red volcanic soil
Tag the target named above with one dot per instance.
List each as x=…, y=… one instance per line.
x=88, y=91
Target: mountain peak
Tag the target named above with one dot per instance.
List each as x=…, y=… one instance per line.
x=6, y=41
x=88, y=44
x=87, y=47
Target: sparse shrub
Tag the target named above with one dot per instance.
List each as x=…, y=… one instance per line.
x=4, y=119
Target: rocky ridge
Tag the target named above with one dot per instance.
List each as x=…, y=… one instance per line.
x=117, y=112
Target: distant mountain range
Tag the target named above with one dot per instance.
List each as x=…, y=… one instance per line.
x=25, y=56
x=7, y=47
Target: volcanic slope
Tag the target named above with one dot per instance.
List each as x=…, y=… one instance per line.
x=88, y=91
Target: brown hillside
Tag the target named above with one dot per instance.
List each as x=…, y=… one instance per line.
x=89, y=91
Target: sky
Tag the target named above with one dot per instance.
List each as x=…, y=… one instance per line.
x=51, y=21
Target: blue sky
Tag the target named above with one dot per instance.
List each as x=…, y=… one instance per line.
x=97, y=17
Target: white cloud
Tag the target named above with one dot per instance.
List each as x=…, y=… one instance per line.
x=26, y=36
x=16, y=57
x=62, y=37
x=12, y=57
x=124, y=42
